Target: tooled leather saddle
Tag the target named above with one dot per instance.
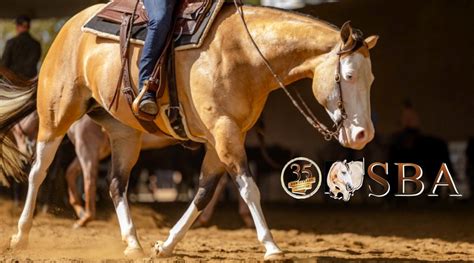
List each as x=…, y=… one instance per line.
x=125, y=21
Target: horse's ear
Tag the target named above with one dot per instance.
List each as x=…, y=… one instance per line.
x=371, y=41
x=346, y=33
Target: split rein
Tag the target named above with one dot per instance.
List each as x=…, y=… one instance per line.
x=298, y=102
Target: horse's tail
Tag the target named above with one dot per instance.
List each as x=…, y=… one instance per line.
x=17, y=100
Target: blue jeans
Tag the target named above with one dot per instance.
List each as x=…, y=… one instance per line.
x=160, y=13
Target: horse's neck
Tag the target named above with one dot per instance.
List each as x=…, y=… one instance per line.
x=293, y=43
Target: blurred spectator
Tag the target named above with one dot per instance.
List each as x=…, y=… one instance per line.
x=22, y=53
x=410, y=145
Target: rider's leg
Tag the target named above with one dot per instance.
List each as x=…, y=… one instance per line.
x=159, y=23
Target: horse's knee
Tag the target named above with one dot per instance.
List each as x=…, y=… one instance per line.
x=248, y=188
x=229, y=145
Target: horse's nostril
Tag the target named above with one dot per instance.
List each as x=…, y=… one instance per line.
x=360, y=135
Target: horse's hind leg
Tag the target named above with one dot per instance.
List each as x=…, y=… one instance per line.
x=45, y=151
x=125, y=145
x=52, y=128
x=211, y=171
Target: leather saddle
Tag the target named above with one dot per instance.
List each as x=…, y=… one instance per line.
x=188, y=16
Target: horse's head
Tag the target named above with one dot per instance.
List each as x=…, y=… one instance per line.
x=355, y=79
x=344, y=179
x=340, y=182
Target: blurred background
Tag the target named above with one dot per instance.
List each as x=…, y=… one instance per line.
x=422, y=100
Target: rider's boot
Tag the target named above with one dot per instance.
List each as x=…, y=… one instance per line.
x=148, y=104
x=145, y=106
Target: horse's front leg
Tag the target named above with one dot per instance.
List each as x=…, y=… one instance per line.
x=211, y=171
x=125, y=145
x=231, y=151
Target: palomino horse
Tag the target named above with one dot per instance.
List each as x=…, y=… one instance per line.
x=344, y=179
x=223, y=88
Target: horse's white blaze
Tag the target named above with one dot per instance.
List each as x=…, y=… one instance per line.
x=251, y=195
x=356, y=79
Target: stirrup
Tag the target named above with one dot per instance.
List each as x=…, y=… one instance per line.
x=136, y=106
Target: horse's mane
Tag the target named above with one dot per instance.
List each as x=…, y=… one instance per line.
x=297, y=14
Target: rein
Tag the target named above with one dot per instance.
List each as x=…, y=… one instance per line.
x=303, y=108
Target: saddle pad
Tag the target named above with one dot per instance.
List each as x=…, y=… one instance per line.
x=111, y=30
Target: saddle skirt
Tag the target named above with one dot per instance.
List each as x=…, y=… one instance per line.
x=193, y=21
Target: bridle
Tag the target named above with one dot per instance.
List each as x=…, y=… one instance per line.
x=298, y=101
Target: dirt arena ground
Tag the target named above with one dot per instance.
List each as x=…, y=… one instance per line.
x=307, y=232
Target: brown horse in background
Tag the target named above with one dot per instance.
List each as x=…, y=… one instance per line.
x=223, y=88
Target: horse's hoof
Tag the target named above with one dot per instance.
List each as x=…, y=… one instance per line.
x=18, y=243
x=159, y=251
x=274, y=255
x=134, y=252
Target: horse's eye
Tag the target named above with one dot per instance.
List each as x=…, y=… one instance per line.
x=337, y=188
x=349, y=76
